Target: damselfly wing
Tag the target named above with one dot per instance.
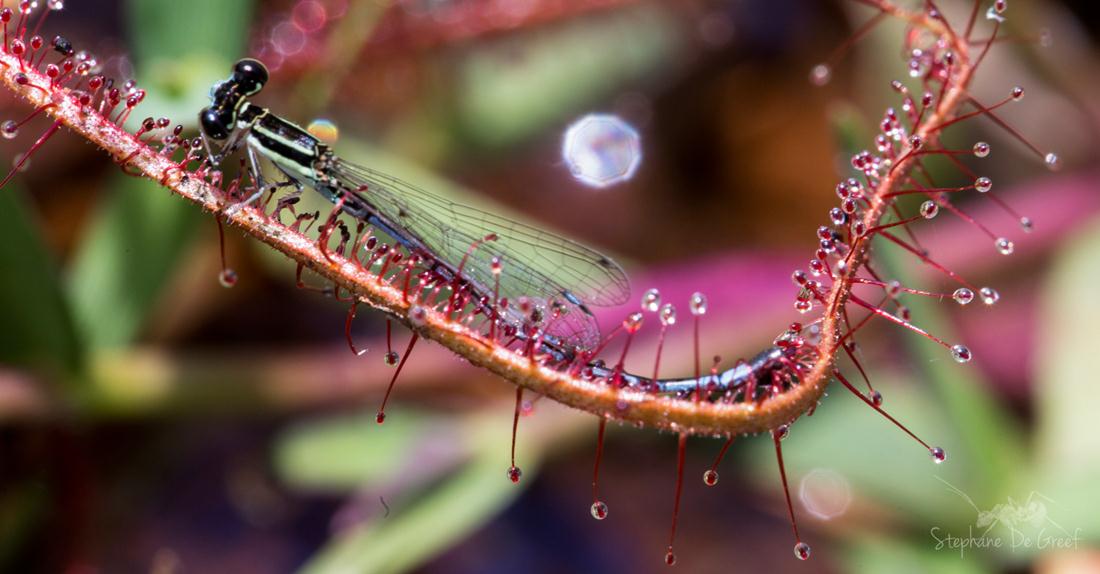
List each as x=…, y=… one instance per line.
x=558, y=275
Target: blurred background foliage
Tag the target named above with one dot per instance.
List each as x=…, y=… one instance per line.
x=152, y=421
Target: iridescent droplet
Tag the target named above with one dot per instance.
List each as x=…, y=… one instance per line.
x=324, y=130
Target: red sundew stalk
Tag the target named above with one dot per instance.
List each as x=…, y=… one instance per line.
x=685, y=417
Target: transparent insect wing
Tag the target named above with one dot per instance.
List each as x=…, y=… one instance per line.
x=536, y=264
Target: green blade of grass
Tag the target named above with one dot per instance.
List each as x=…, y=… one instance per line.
x=37, y=325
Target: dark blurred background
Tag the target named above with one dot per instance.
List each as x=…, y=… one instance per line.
x=153, y=421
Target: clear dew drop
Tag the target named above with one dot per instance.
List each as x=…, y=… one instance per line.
x=983, y=184
x=981, y=149
x=668, y=315
x=391, y=358
x=803, y=306
x=1026, y=224
x=929, y=209
x=670, y=557
x=820, y=74
x=599, y=510
x=698, y=304
x=1005, y=246
x=9, y=129
x=876, y=398
x=938, y=455
x=1054, y=163
x=651, y=301
x=963, y=296
x=227, y=278
x=633, y=322
x=514, y=474
x=710, y=477
x=802, y=551
x=989, y=295
x=961, y=354
x=57, y=5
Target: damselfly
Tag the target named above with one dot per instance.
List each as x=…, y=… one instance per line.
x=559, y=277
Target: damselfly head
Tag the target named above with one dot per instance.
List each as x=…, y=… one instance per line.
x=214, y=124
x=250, y=76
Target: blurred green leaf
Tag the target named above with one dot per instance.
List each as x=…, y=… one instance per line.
x=181, y=48
x=1068, y=446
x=344, y=453
x=131, y=248
x=126, y=259
x=872, y=554
x=513, y=89
x=37, y=324
x=420, y=527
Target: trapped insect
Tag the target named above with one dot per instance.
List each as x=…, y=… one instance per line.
x=555, y=278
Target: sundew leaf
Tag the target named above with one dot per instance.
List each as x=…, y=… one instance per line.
x=989, y=435
x=1067, y=393
x=882, y=466
x=36, y=326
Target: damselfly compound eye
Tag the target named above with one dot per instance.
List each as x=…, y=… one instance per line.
x=602, y=150
x=250, y=76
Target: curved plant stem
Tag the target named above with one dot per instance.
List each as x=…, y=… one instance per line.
x=682, y=416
